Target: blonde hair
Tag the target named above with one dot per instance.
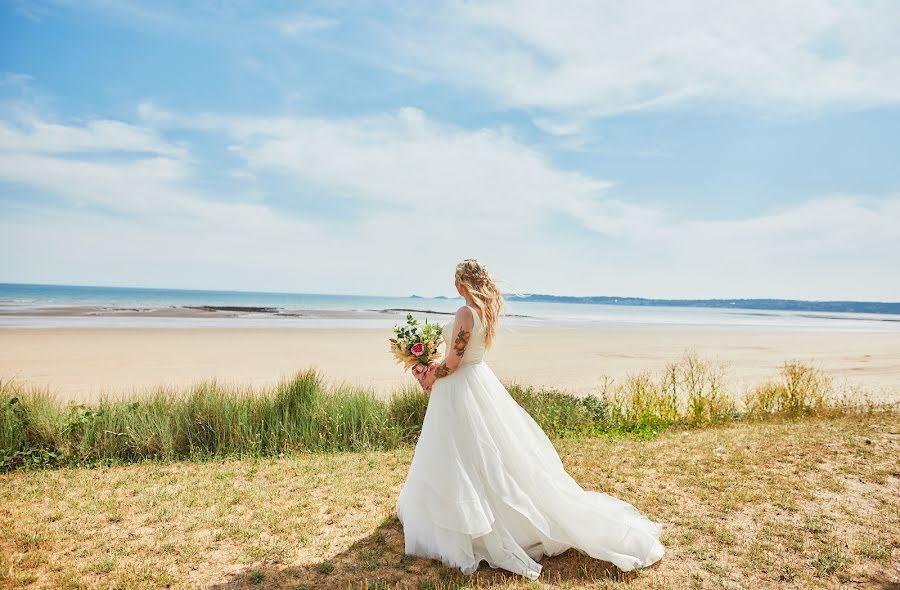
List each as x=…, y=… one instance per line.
x=471, y=274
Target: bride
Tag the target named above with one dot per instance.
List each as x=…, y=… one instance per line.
x=485, y=482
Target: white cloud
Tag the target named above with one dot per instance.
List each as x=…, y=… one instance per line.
x=302, y=24
x=117, y=167
x=559, y=127
x=34, y=135
x=426, y=194
x=832, y=246
x=404, y=160
x=602, y=58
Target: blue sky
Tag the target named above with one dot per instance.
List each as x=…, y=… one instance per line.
x=686, y=150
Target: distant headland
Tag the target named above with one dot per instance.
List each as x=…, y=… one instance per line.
x=761, y=304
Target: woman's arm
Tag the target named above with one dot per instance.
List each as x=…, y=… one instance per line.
x=459, y=339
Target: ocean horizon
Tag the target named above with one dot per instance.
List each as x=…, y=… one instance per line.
x=27, y=305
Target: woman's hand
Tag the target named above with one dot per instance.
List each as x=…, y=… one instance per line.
x=429, y=377
x=419, y=371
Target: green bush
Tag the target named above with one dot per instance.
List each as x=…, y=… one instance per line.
x=802, y=390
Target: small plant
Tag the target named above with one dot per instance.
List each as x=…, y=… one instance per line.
x=105, y=565
x=639, y=405
x=326, y=567
x=694, y=392
x=785, y=572
x=830, y=560
x=874, y=550
x=815, y=525
x=802, y=390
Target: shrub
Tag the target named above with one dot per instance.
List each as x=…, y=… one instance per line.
x=695, y=392
x=802, y=390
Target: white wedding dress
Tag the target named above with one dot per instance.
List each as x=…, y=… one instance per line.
x=486, y=483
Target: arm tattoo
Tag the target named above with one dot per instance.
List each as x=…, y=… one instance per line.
x=459, y=347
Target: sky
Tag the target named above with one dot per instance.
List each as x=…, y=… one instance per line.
x=690, y=149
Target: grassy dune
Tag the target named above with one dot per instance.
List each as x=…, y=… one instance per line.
x=807, y=503
x=301, y=414
x=789, y=484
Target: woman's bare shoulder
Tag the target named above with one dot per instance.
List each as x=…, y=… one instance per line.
x=464, y=315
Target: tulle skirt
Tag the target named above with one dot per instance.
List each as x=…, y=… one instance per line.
x=486, y=483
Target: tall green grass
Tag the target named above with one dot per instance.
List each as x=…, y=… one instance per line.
x=302, y=414
x=209, y=420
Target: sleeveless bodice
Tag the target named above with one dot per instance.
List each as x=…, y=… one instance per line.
x=474, y=349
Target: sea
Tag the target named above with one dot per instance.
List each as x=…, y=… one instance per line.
x=30, y=306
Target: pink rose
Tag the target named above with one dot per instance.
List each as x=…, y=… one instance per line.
x=418, y=348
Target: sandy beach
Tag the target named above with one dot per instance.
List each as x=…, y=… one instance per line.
x=82, y=363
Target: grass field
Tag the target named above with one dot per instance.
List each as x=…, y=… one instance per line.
x=803, y=503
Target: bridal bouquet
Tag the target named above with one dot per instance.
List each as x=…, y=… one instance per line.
x=416, y=343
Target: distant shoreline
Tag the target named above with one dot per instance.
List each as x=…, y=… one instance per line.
x=15, y=293
x=260, y=312
x=876, y=307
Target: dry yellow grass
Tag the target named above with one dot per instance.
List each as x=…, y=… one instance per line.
x=808, y=504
